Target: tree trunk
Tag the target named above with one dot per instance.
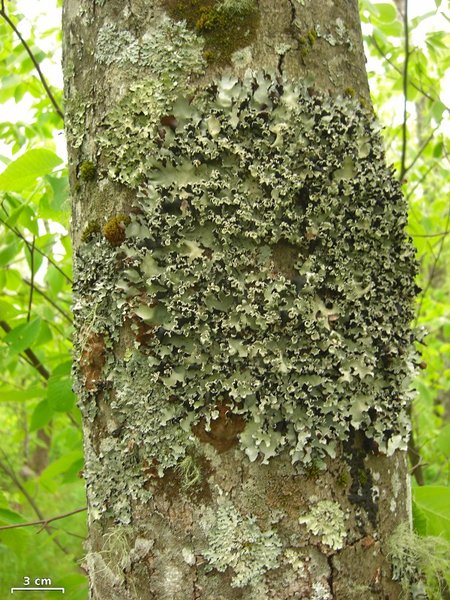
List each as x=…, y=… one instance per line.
x=243, y=297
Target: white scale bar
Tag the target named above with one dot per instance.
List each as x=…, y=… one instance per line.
x=37, y=589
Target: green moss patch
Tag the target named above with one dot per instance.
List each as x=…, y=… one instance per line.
x=225, y=25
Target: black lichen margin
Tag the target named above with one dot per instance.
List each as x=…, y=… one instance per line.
x=265, y=273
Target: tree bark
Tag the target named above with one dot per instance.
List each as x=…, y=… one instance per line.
x=243, y=297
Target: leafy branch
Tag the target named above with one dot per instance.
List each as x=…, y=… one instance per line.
x=24, y=43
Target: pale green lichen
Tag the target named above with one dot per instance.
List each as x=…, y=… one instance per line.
x=238, y=542
x=265, y=272
x=326, y=521
x=168, y=47
x=420, y=564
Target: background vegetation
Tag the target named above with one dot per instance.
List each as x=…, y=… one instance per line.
x=41, y=445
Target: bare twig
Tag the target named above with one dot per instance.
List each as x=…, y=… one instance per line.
x=49, y=300
x=23, y=238
x=9, y=471
x=399, y=71
x=433, y=270
x=24, y=43
x=429, y=235
x=405, y=93
x=30, y=299
x=44, y=521
x=421, y=150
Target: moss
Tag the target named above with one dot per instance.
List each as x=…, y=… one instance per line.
x=307, y=41
x=313, y=471
x=312, y=37
x=350, y=92
x=87, y=171
x=90, y=231
x=114, y=229
x=225, y=26
x=343, y=479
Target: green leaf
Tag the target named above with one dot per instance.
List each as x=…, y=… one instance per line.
x=437, y=150
x=62, y=465
x=60, y=395
x=7, y=253
x=12, y=395
x=434, y=503
x=23, y=336
x=42, y=414
x=443, y=440
x=419, y=520
x=56, y=198
x=24, y=171
x=437, y=110
x=386, y=13
x=10, y=517
x=7, y=310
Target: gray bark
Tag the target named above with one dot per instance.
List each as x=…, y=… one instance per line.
x=189, y=498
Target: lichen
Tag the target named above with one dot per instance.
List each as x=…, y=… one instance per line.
x=238, y=542
x=169, y=47
x=225, y=26
x=264, y=274
x=420, y=564
x=326, y=521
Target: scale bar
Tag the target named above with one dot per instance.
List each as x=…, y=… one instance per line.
x=37, y=589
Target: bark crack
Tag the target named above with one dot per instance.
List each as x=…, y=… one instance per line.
x=331, y=576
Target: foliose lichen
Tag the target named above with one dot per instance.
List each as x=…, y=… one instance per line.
x=265, y=275
x=168, y=47
x=238, y=542
x=327, y=521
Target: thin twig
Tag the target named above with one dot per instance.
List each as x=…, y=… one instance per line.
x=24, y=43
x=405, y=93
x=44, y=521
x=41, y=252
x=399, y=71
x=30, y=299
x=8, y=470
x=49, y=300
x=433, y=269
x=421, y=150
x=429, y=235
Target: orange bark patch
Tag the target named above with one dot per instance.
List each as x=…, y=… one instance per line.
x=92, y=361
x=223, y=432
